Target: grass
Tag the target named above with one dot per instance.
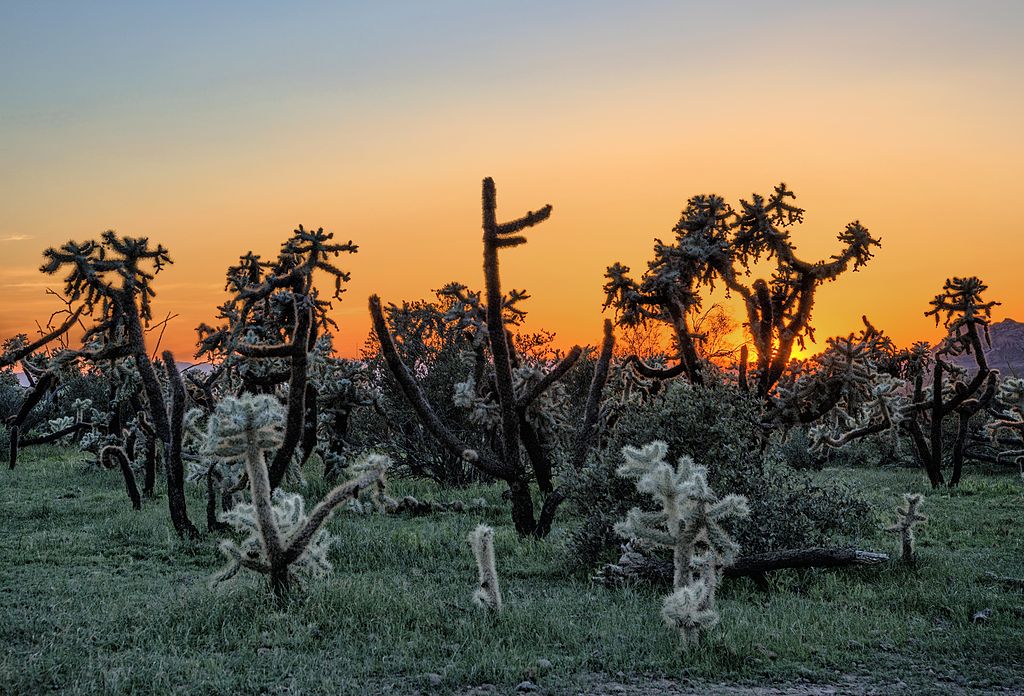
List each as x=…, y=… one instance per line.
x=95, y=598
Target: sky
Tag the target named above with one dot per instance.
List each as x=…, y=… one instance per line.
x=217, y=128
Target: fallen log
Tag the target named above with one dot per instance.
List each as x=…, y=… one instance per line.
x=635, y=566
x=54, y=436
x=1017, y=583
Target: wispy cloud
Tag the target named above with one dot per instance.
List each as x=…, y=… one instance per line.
x=15, y=238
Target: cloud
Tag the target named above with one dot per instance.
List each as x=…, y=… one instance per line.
x=15, y=238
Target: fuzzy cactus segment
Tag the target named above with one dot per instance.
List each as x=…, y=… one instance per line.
x=689, y=612
x=282, y=539
x=488, y=593
x=904, y=525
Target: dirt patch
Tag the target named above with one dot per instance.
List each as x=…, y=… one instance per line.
x=598, y=685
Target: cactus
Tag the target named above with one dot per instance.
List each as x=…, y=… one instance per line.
x=690, y=610
x=894, y=383
x=486, y=323
x=272, y=323
x=111, y=456
x=283, y=540
x=904, y=525
x=46, y=383
x=111, y=281
x=488, y=593
x=713, y=241
x=690, y=523
x=962, y=311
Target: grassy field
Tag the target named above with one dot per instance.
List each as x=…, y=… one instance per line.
x=95, y=598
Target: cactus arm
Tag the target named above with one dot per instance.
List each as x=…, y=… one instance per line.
x=118, y=455
x=300, y=541
x=587, y=434
x=418, y=400
x=550, y=378
x=173, y=461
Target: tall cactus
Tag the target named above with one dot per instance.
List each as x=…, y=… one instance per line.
x=961, y=309
x=272, y=323
x=715, y=242
x=515, y=431
x=111, y=280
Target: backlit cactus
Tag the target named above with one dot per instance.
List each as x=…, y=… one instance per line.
x=715, y=242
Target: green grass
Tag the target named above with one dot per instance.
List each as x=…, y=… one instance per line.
x=97, y=598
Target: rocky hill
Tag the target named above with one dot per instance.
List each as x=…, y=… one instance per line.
x=1007, y=351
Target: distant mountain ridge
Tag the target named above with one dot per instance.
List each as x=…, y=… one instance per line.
x=1007, y=351
x=204, y=368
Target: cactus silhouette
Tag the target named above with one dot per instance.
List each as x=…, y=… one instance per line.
x=715, y=242
x=514, y=431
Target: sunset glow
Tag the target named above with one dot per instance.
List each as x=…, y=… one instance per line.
x=222, y=132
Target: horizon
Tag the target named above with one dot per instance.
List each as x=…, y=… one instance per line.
x=214, y=132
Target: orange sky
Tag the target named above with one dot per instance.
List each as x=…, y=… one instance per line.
x=908, y=120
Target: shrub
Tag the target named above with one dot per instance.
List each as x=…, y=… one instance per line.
x=720, y=427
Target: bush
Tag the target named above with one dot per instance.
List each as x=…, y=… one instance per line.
x=794, y=449
x=720, y=427
x=11, y=395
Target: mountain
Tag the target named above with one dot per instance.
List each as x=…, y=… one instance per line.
x=202, y=368
x=1007, y=351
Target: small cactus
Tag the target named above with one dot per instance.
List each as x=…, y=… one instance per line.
x=283, y=539
x=488, y=594
x=689, y=523
x=904, y=525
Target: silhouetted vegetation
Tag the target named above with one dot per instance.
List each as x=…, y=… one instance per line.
x=695, y=463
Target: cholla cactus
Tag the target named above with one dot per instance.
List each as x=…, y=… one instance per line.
x=717, y=242
x=480, y=410
x=283, y=539
x=484, y=321
x=488, y=594
x=689, y=523
x=378, y=464
x=904, y=525
x=1010, y=393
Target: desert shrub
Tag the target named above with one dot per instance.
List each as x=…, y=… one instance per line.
x=395, y=423
x=720, y=427
x=794, y=450
x=11, y=395
x=881, y=449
